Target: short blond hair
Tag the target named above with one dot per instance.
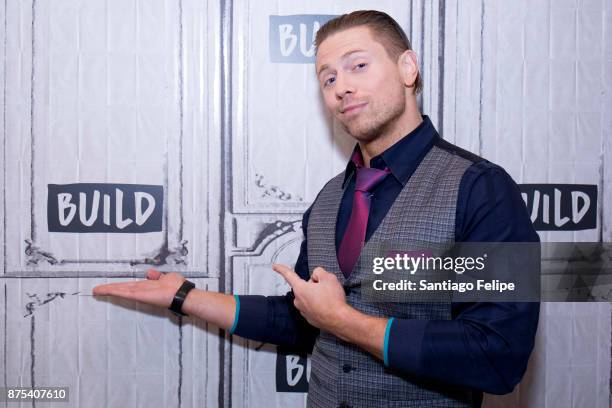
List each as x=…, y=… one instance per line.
x=384, y=28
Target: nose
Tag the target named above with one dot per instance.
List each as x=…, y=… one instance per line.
x=343, y=86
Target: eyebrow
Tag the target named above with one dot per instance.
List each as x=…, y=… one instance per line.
x=343, y=57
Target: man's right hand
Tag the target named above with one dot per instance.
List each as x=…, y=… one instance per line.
x=158, y=289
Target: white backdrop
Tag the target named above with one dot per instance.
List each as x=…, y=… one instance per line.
x=217, y=103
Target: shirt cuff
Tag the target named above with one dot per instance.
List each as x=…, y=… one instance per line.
x=403, y=344
x=386, y=344
x=236, y=314
x=251, y=311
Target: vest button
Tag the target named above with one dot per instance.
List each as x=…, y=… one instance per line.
x=347, y=368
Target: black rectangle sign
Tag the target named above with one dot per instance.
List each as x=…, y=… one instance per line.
x=99, y=207
x=292, y=371
x=561, y=207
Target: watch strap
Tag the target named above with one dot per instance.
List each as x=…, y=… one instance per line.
x=179, y=298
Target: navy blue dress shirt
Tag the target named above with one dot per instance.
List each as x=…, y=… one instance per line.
x=486, y=345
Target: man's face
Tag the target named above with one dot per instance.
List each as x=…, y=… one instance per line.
x=361, y=85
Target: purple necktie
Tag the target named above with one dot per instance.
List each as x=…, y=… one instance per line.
x=354, y=236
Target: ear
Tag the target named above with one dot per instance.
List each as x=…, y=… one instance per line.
x=408, y=65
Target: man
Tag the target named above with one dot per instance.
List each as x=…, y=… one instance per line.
x=403, y=184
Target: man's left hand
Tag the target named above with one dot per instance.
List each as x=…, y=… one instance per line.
x=321, y=300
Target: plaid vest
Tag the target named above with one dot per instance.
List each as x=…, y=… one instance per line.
x=342, y=374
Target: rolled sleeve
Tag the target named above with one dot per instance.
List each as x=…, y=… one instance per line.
x=403, y=344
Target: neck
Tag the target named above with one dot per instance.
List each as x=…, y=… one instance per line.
x=410, y=119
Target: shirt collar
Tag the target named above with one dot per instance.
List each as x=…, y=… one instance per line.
x=404, y=156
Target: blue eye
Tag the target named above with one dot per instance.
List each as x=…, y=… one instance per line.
x=329, y=81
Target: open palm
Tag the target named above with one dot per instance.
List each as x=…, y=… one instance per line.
x=158, y=289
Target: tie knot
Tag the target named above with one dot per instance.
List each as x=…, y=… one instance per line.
x=368, y=178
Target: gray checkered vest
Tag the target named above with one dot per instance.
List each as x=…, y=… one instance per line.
x=342, y=374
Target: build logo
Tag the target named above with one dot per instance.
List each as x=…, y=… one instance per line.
x=561, y=207
x=93, y=207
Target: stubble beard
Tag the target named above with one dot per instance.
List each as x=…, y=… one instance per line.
x=371, y=127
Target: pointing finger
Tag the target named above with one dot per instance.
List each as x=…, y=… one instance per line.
x=292, y=278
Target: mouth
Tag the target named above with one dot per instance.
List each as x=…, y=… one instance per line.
x=353, y=109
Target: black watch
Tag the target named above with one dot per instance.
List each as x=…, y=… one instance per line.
x=179, y=298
